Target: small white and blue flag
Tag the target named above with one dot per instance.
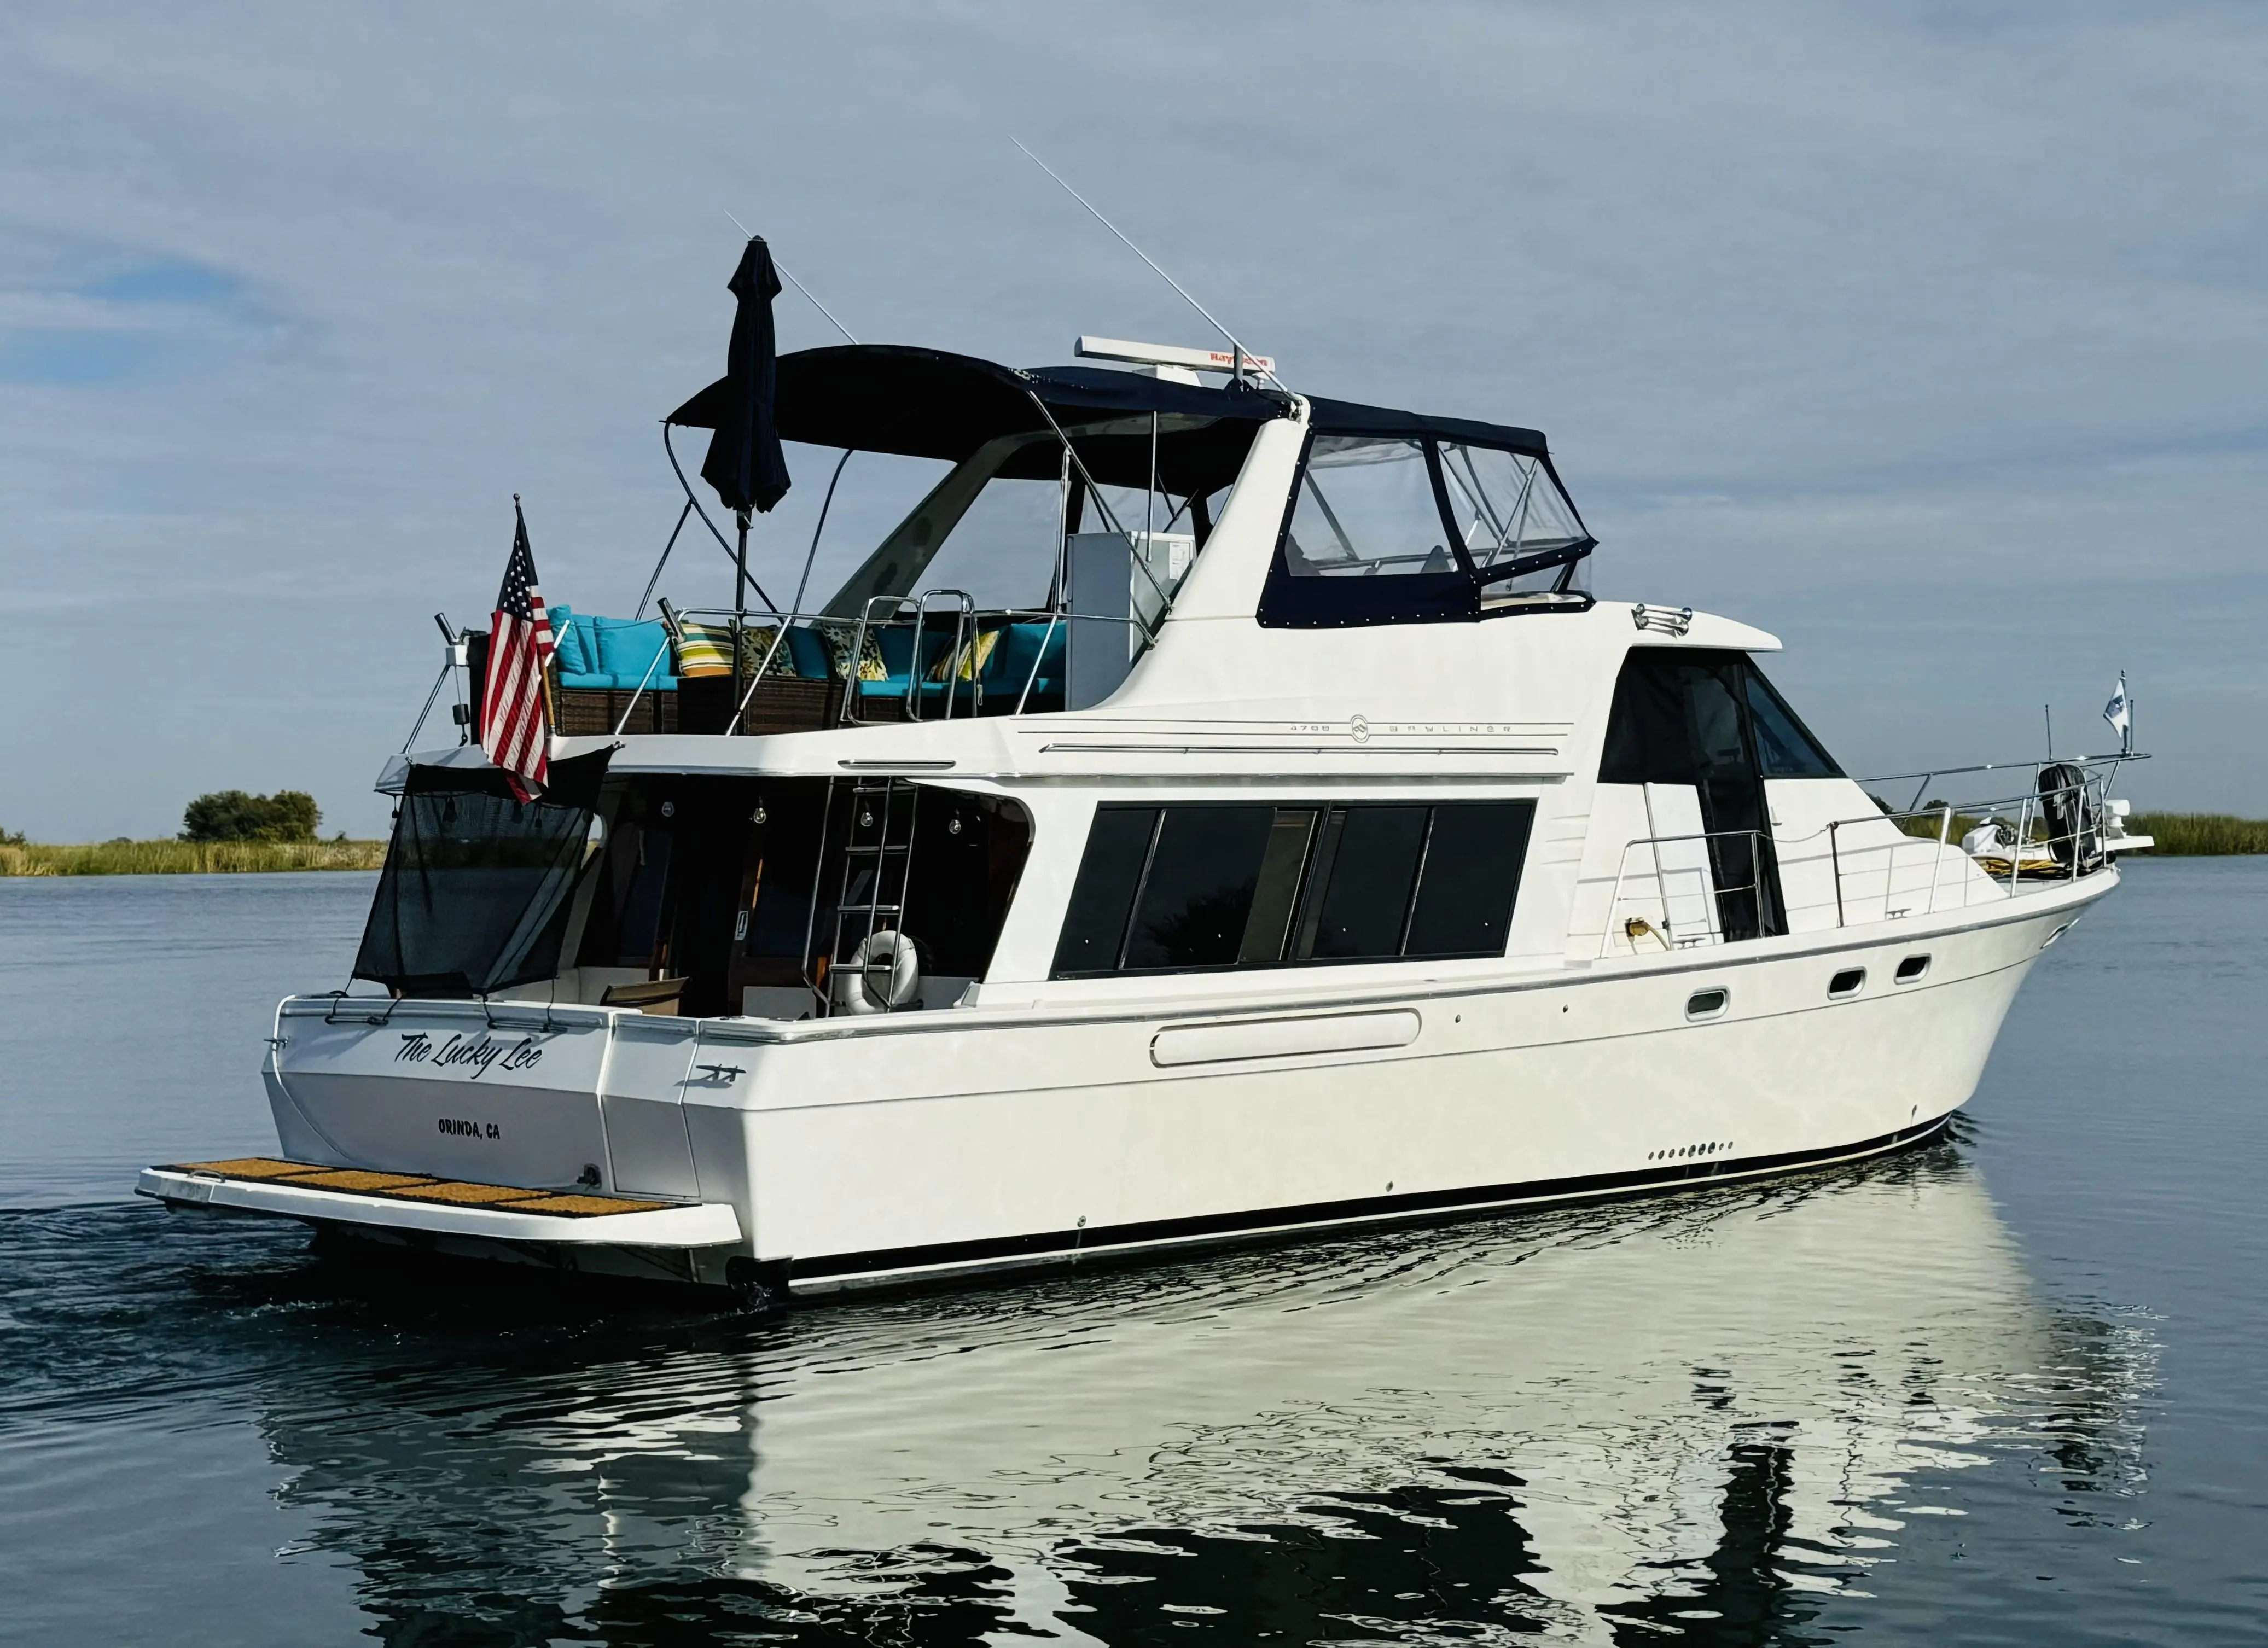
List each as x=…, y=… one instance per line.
x=2120, y=713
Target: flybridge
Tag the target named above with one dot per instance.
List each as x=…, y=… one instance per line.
x=1173, y=356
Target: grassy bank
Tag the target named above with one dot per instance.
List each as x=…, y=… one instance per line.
x=2201, y=834
x=180, y=858
x=2177, y=835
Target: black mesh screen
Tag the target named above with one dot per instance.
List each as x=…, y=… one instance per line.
x=477, y=886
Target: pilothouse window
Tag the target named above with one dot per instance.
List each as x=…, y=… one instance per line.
x=1785, y=747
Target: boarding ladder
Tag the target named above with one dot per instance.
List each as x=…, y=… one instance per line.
x=878, y=848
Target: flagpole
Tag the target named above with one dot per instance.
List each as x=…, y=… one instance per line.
x=544, y=674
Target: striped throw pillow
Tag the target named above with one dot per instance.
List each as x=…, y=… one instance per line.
x=971, y=659
x=704, y=650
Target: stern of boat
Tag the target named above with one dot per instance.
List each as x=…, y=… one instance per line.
x=554, y=1136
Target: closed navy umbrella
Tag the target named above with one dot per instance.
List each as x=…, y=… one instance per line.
x=745, y=463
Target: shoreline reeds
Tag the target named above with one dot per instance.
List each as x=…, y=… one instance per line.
x=180, y=858
x=2200, y=834
x=2173, y=834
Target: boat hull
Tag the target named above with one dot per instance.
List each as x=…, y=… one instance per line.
x=902, y=1147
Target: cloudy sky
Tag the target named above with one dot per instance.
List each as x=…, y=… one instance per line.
x=1931, y=338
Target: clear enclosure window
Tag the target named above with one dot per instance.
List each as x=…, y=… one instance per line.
x=1366, y=509
x=1506, y=506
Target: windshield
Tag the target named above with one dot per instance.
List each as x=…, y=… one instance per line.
x=1418, y=528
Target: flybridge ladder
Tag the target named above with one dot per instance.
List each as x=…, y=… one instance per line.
x=877, y=857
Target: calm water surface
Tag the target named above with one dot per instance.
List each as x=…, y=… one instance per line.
x=2007, y=1389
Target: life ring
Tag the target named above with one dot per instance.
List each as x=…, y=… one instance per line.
x=882, y=975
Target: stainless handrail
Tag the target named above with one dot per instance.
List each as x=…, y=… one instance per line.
x=963, y=649
x=2110, y=762
x=2086, y=839
x=1756, y=838
x=643, y=681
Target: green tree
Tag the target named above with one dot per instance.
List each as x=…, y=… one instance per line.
x=231, y=815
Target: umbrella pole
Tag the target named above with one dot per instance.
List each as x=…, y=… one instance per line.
x=739, y=611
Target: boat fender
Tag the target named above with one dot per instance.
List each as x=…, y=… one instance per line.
x=883, y=973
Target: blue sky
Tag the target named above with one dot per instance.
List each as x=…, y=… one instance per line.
x=1932, y=340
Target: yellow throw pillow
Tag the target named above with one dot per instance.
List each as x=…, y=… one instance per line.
x=704, y=650
x=972, y=658
x=707, y=649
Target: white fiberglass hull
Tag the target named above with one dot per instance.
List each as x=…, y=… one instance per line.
x=896, y=1146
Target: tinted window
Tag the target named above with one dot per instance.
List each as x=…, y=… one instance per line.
x=1372, y=865
x=1277, y=895
x=1117, y=847
x=1785, y=747
x=1207, y=885
x=1471, y=876
x=1683, y=716
x=1198, y=893
x=1673, y=719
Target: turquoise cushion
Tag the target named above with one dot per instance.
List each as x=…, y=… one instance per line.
x=808, y=653
x=626, y=650
x=1020, y=643
x=895, y=644
x=605, y=682
x=569, y=633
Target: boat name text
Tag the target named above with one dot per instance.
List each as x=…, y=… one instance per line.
x=479, y=1052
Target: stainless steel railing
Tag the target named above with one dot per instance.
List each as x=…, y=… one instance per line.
x=1877, y=866
x=1689, y=886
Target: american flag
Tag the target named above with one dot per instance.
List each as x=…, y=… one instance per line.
x=515, y=728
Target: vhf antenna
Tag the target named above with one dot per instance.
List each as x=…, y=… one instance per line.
x=798, y=285
x=1243, y=353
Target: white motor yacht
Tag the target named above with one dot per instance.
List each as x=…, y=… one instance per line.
x=1320, y=851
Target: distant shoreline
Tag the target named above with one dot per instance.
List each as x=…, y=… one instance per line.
x=2177, y=835
x=2200, y=834
x=180, y=858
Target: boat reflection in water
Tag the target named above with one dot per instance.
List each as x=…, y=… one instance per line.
x=1713, y=1415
